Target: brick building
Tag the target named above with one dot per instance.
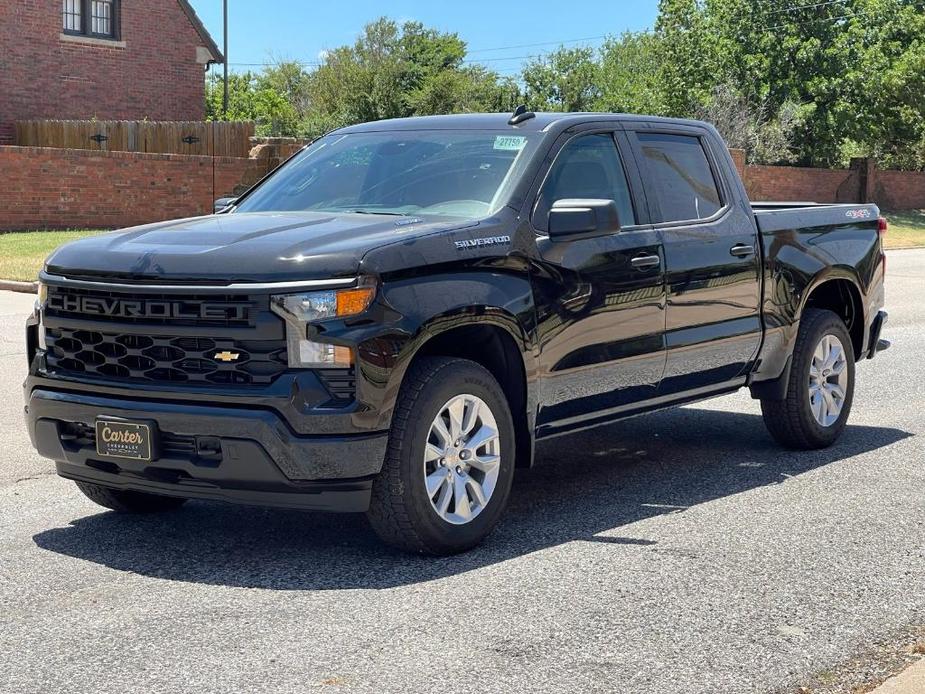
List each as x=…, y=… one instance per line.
x=106, y=59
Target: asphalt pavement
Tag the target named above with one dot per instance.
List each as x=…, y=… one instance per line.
x=679, y=552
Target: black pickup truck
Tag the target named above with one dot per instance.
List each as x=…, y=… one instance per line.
x=406, y=310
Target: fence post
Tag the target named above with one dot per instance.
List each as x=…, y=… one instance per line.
x=867, y=178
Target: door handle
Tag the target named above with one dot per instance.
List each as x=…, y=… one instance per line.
x=643, y=262
x=742, y=250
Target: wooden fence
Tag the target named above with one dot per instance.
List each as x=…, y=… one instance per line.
x=162, y=137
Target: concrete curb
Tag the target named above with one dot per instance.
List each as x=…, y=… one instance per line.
x=24, y=287
x=909, y=681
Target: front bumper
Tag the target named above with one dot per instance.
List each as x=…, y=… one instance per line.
x=236, y=454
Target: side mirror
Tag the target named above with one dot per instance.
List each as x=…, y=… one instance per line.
x=223, y=203
x=580, y=216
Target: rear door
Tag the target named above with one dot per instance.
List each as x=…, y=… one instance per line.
x=601, y=300
x=712, y=261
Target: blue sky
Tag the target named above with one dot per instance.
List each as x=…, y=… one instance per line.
x=262, y=31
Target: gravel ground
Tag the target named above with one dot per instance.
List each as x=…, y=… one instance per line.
x=680, y=552
x=867, y=669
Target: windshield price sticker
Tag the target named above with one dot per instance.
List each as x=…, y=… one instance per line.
x=510, y=143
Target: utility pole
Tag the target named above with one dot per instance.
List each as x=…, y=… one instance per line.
x=225, y=93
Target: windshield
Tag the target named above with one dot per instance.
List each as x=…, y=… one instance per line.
x=464, y=174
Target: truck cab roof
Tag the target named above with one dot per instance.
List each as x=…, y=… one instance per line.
x=541, y=122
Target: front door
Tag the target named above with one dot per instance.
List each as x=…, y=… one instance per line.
x=600, y=300
x=712, y=265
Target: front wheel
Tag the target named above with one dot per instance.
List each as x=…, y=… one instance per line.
x=450, y=461
x=820, y=390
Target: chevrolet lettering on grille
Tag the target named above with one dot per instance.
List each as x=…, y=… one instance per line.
x=137, y=308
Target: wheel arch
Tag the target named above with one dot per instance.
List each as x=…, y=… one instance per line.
x=496, y=341
x=839, y=292
x=835, y=289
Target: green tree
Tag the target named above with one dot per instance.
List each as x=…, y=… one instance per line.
x=849, y=71
x=628, y=76
x=880, y=104
x=248, y=101
x=564, y=80
x=290, y=80
x=813, y=82
x=395, y=71
x=686, y=64
x=766, y=137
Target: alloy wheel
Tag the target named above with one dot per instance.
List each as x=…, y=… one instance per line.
x=828, y=380
x=462, y=459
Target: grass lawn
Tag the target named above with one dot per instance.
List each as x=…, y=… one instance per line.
x=907, y=229
x=22, y=253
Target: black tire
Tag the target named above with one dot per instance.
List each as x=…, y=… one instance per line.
x=124, y=501
x=401, y=512
x=790, y=421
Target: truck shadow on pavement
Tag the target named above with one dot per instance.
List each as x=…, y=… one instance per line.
x=585, y=488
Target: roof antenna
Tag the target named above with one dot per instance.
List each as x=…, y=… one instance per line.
x=521, y=114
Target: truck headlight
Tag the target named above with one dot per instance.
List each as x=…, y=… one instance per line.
x=298, y=310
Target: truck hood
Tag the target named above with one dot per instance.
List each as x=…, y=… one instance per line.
x=237, y=248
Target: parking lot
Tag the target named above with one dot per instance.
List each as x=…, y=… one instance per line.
x=681, y=552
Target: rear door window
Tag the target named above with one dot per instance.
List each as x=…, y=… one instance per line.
x=679, y=177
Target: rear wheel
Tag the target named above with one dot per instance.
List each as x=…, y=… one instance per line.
x=450, y=461
x=125, y=501
x=821, y=386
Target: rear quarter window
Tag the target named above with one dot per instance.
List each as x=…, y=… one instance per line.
x=679, y=177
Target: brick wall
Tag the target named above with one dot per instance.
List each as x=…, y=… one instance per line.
x=44, y=188
x=275, y=150
x=799, y=184
x=68, y=189
x=155, y=75
x=899, y=190
x=863, y=182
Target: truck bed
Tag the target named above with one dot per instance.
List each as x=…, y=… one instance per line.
x=782, y=216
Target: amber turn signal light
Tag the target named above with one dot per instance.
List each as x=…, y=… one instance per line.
x=353, y=301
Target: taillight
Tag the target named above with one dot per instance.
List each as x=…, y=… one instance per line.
x=882, y=227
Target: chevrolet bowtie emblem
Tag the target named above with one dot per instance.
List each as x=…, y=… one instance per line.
x=227, y=356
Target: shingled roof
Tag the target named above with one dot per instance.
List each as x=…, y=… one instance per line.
x=204, y=34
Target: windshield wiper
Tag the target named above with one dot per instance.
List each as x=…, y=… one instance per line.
x=390, y=214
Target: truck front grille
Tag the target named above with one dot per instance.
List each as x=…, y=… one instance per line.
x=220, y=310
x=164, y=359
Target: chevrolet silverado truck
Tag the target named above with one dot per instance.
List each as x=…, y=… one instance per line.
x=405, y=311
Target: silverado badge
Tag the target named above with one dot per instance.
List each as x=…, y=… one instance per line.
x=487, y=241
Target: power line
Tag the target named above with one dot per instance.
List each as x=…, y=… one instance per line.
x=806, y=7
x=600, y=37
x=316, y=64
x=497, y=60
x=274, y=64
x=465, y=62
x=543, y=43
x=820, y=20
x=918, y=6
